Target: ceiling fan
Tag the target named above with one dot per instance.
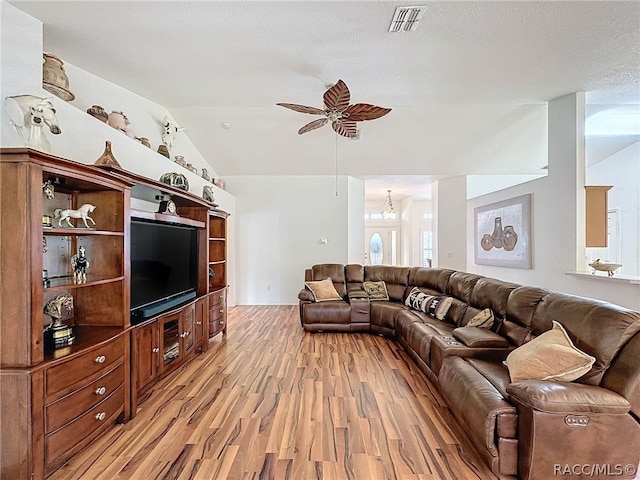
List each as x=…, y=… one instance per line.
x=343, y=117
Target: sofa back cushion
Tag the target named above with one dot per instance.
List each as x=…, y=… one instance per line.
x=521, y=306
x=430, y=279
x=598, y=328
x=354, y=276
x=623, y=375
x=460, y=287
x=396, y=279
x=333, y=270
x=489, y=293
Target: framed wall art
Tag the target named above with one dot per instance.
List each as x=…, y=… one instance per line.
x=502, y=233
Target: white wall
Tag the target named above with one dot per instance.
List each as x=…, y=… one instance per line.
x=355, y=220
x=450, y=215
x=280, y=223
x=557, y=219
x=622, y=170
x=83, y=137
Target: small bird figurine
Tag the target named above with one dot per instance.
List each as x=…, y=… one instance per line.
x=610, y=268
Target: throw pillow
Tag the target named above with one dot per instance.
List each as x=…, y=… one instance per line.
x=376, y=290
x=323, y=290
x=550, y=356
x=436, y=306
x=483, y=319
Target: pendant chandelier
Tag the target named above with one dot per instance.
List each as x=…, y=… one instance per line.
x=388, y=213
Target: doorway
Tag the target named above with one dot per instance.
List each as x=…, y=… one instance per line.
x=381, y=243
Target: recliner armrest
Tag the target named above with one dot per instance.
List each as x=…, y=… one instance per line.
x=566, y=397
x=357, y=294
x=476, y=337
x=305, y=294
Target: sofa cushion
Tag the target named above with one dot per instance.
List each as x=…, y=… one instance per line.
x=394, y=277
x=334, y=270
x=323, y=290
x=477, y=337
x=376, y=290
x=327, y=314
x=383, y=314
x=598, y=328
x=436, y=306
x=550, y=356
x=483, y=319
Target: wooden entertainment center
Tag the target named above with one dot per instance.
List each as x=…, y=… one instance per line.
x=55, y=401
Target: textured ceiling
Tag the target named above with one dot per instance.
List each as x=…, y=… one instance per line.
x=467, y=88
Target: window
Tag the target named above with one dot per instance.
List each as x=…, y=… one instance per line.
x=427, y=247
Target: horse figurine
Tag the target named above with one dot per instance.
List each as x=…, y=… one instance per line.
x=48, y=190
x=57, y=305
x=82, y=212
x=29, y=114
x=169, y=132
x=80, y=264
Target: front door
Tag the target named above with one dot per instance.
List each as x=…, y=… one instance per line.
x=380, y=243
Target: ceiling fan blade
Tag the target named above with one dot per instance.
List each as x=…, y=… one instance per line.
x=363, y=111
x=301, y=108
x=337, y=97
x=346, y=129
x=313, y=125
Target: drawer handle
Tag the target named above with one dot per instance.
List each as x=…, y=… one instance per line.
x=101, y=359
x=198, y=323
x=156, y=350
x=221, y=323
x=101, y=391
x=221, y=311
x=101, y=416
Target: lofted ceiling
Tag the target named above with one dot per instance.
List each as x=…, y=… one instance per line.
x=467, y=89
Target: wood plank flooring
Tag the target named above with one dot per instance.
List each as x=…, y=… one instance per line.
x=271, y=401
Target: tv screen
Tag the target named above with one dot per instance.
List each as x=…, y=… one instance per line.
x=164, y=261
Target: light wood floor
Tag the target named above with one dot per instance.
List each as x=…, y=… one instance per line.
x=270, y=401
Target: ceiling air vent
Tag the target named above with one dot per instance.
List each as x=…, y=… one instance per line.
x=406, y=19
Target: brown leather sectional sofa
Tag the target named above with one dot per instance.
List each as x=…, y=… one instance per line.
x=534, y=429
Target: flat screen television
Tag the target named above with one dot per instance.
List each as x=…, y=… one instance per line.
x=164, y=267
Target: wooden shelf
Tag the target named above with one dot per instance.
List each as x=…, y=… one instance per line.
x=67, y=283
x=87, y=336
x=161, y=217
x=77, y=232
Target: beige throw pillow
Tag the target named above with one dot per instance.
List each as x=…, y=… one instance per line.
x=376, y=290
x=483, y=319
x=550, y=356
x=323, y=290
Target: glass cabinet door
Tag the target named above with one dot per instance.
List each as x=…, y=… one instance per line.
x=170, y=335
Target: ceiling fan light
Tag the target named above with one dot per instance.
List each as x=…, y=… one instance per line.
x=406, y=19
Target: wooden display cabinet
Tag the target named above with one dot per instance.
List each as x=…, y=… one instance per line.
x=217, y=272
x=53, y=402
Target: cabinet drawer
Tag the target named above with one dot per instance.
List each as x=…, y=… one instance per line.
x=217, y=298
x=97, y=418
x=67, y=408
x=77, y=372
x=217, y=319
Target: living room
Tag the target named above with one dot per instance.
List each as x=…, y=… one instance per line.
x=295, y=201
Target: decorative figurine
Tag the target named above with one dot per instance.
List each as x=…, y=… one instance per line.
x=164, y=151
x=107, y=159
x=58, y=334
x=176, y=180
x=179, y=159
x=28, y=115
x=54, y=78
x=82, y=212
x=46, y=283
x=98, y=112
x=47, y=189
x=169, y=132
x=610, y=268
x=207, y=193
x=79, y=264
x=44, y=244
x=47, y=221
x=205, y=174
x=119, y=121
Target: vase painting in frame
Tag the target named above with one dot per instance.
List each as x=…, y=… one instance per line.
x=502, y=233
